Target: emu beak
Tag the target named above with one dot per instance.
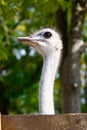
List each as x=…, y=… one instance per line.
x=28, y=40
x=23, y=39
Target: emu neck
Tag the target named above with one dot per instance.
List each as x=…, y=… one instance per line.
x=46, y=103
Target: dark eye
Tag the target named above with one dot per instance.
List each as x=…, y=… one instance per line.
x=47, y=34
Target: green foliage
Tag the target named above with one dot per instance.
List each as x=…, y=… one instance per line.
x=19, y=71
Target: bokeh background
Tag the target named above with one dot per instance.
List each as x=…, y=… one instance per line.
x=20, y=65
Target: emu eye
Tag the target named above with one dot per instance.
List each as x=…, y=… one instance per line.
x=47, y=34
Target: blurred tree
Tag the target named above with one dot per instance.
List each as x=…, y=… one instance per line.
x=20, y=65
x=73, y=44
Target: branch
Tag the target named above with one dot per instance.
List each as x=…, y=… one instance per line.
x=82, y=49
x=79, y=9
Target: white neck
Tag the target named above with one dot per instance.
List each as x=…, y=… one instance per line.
x=46, y=103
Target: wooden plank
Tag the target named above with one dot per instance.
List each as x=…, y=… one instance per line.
x=44, y=122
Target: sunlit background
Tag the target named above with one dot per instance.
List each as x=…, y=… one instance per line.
x=20, y=65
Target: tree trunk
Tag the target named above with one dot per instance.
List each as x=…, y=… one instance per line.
x=70, y=66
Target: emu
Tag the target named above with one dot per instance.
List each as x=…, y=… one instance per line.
x=49, y=44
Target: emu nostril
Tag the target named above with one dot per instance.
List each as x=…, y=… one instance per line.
x=30, y=36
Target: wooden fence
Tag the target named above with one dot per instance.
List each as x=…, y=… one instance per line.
x=44, y=122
